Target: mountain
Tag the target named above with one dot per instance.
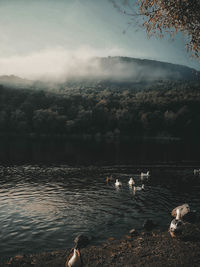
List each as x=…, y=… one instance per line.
x=132, y=70
x=14, y=81
x=136, y=70
x=110, y=71
x=121, y=72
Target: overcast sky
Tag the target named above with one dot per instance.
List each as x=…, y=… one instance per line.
x=43, y=36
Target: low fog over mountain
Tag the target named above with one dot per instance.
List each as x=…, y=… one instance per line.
x=124, y=69
x=112, y=70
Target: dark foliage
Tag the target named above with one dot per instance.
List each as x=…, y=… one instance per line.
x=163, y=109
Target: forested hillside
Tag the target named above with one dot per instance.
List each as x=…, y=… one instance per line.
x=169, y=110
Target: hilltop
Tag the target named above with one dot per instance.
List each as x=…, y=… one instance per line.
x=136, y=70
x=12, y=80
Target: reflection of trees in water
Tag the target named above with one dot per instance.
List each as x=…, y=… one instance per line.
x=85, y=152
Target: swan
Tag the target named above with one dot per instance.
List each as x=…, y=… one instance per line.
x=131, y=182
x=117, y=183
x=75, y=260
x=176, y=225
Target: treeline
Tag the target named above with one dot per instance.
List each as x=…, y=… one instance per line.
x=172, y=110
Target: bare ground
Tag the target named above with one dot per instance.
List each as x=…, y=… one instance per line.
x=153, y=248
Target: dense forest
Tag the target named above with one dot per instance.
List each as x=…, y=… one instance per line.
x=167, y=109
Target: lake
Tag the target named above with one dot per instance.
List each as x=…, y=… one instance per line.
x=88, y=151
x=43, y=206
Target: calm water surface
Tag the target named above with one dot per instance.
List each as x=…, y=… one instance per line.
x=45, y=208
x=90, y=151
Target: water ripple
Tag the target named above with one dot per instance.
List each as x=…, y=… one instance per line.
x=40, y=212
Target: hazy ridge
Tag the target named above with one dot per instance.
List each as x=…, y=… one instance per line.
x=109, y=71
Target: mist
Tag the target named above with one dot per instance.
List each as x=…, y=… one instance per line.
x=61, y=65
x=56, y=64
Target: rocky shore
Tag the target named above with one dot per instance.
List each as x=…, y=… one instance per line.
x=148, y=248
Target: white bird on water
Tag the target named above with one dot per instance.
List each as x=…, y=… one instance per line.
x=196, y=171
x=176, y=225
x=138, y=188
x=75, y=260
x=131, y=182
x=145, y=174
x=117, y=183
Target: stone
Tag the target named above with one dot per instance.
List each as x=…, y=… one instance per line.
x=133, y=232
x=110, y=239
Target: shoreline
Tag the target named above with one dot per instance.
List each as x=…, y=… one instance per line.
x=147, y=248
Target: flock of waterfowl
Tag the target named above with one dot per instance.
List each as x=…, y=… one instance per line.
x=175, y=228
x=131, y=182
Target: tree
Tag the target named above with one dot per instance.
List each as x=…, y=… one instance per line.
x=171, y=16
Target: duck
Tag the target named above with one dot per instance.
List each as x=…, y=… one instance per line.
x=145, y=174
x=75, y=260
x=131, y=182
x=109, y=179
x=117, y=183
x=196, y=171
x=184, y=209
x=142, y=186
x=138, y=188
x=176, y=225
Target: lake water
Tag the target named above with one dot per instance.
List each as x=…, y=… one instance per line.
x=43, y=207
x=78, y=151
